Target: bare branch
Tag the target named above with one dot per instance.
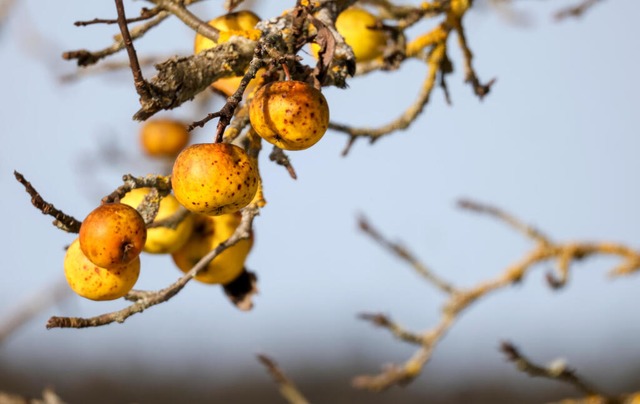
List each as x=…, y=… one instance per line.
x=86, y=58
x=525, y=229
x=63, y=221
x=576, y=10
x=32, y=306
x=403, y=253
x=288, y=390
x=178, y=9
x=558, y=370
x=278, y=156
x=161, y=182
x=460, y=299
x=145, y=14
x=409, y=116
x=142, y=87
x=399, y=332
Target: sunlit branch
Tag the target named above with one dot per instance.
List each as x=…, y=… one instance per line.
x=462, y=298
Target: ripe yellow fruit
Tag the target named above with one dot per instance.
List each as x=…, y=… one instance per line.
x=354, y=25
x=113, y=234
x=208, y=233
x=289, y=114
x=162, y=240
x=163, y=137
x=214, y=178
x=240, y=23
x=94, y=282
x=367, y=44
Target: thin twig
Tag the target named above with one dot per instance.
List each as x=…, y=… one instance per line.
x=161, y=182
x=480, y=89
x=511, y=220
x=203, y=121
x=32, y=306
x=86, y=58
x=145, y=14
x=575, y=11
x=557, y=371
x=278, y=156
x=142, y=87
x=191, y=20
x=403, y=253
x=288, y=389
x=63, y=221
x=106, y=67
x=398, y=331
x=410, y=114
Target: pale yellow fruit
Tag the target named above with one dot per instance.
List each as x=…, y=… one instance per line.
x=96, y=283
x=112, y=234
x=163, y=137
x=240, y=23
x=214, y=178
x=354, y=25
x=208, y=233
x=162, y=240
x=289, y=114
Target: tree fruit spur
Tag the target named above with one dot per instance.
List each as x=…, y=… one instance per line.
x=163, y=137
x=113, y=234
x=289, y=114
x=208, y=233
x=354, y=24
x=239, y=23
x=214, y=178
x=162, y=240
x=97, y=283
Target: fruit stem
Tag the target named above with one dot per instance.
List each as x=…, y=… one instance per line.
x=287, y=74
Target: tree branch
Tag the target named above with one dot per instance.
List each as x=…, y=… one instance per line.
x=460, y=299
x=288, y=390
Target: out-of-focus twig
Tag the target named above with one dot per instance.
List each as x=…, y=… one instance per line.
x=288, y=389
x=558, y=370
x=576, y=10
x=86, y=58
x=526, y=229
x=106, y=67
x=48, y=397
x=5, y=9
x=406, y=255
x=31, y=307
x=460, y=299
x=409, y=115
x=278, y=156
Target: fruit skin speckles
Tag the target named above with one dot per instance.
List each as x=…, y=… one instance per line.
x=96, y=283
x=113, y=234
x=289, y=114
x=214, y=178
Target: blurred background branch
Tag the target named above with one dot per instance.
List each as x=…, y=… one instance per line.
x=459, y=299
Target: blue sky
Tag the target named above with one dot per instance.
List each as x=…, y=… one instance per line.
x=556, y=143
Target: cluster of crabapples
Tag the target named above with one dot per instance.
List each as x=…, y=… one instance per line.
x=211, y=182
x=103, y=263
